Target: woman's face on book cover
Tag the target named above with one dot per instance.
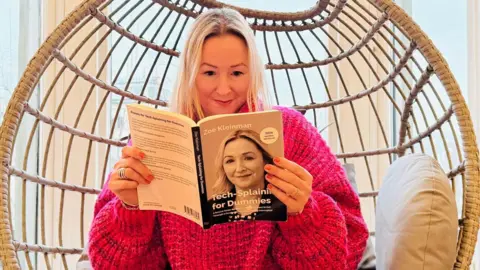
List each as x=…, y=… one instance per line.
x=243, y=164
x=223, y=78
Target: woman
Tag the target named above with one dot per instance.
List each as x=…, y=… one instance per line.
x=240, y=191
x=221, y=72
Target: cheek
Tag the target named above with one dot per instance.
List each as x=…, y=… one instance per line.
x=241, y=84
x=228, y=168
x=256, y=166
x=204, y=86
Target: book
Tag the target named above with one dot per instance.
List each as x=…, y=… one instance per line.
x=211, y=171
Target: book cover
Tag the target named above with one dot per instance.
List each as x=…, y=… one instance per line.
x=210, y=172
x=236, y=149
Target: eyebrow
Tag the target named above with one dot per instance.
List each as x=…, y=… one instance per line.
x=246, y=153
x=237, y=65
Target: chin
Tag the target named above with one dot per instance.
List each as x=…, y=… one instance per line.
x=222, y=111
x=231, y=108
x=242, y=185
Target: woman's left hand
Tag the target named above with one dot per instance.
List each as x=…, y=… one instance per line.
x=290, y=183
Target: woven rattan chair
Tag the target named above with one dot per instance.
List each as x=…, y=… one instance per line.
x=350, y=66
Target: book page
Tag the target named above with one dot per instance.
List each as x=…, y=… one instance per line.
x=167, y=143
x=236, y=148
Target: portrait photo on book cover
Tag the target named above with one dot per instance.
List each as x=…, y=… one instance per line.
x=236, y=184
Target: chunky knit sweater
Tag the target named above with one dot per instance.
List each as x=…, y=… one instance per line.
x=329, y=234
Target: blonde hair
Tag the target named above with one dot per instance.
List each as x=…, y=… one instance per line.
x=214, y=22
x=222, y=184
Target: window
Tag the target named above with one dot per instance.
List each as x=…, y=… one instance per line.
x=21, y=34
x=454, y=31
x=450, y=38
x=448, y=31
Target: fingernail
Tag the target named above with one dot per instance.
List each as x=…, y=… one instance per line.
x=276, y=160
x=150, y=178
x=142, y=155
x=270, y=186
x=268, y=176
x=268, y=167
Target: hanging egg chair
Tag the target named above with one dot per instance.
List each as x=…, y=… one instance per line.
x=362, y=72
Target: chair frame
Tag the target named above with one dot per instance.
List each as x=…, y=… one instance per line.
x=15, y=110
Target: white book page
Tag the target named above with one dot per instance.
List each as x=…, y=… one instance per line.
x=167, y=143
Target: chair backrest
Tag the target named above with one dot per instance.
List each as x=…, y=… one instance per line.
x=363, y=72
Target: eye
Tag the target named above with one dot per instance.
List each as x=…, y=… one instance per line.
x=249, y=158
x=237, y=73
x=228, y=161
x=209, y=73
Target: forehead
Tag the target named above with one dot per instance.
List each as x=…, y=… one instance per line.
x=225, y=50
x=240, y=145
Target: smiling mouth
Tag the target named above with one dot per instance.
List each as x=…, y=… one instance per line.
x=224, y=102
x=243, y=176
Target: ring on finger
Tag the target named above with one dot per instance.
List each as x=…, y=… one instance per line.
x=121, y=173
x=294, y=194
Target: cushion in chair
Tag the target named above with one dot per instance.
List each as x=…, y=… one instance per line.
x=416, y=217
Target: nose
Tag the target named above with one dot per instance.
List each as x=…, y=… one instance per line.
x=223, y=87
x=239, y=166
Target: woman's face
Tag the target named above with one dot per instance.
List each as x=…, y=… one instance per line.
x=243, y=164
x=223, y=78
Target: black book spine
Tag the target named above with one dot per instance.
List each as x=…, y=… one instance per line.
x=202, y=188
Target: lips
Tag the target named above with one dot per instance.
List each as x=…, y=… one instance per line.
x=223, y=102
x=243, y=176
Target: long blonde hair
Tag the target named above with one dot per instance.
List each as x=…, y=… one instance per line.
x=215, y=22
x=222, y=184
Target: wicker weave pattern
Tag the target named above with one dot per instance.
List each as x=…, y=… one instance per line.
x=360, y=49
x=13, y=115
x=468, y=235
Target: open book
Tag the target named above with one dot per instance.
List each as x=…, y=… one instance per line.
x=210, y=172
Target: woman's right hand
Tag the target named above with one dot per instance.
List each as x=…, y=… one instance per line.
x=135, y=173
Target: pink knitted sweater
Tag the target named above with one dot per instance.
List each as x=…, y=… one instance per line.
x=329, y=234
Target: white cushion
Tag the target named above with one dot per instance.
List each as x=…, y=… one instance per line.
x=416, y=217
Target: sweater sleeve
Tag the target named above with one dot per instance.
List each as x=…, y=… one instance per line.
x=331, y=232
x=124, y=239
